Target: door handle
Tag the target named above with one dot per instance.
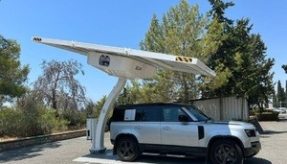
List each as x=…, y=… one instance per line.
x=167, y=128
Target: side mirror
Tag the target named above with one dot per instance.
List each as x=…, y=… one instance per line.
x=183, y=118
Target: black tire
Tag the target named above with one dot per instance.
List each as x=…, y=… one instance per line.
x=127, y=149
x=226, y=151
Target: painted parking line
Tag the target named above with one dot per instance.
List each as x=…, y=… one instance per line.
x=107, y=158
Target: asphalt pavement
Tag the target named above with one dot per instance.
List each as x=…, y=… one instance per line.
x=274, y=146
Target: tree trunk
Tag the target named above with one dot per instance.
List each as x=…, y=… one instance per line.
x=54, y=100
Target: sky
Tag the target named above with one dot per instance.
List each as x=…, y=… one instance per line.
x=120, y=23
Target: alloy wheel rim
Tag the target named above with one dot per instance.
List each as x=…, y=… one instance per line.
x=126, y=149
x=225, y=154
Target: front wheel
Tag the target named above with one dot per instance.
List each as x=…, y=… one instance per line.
x=226, y=152
x=127, y=149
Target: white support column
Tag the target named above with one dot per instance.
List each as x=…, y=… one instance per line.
x=98, y=137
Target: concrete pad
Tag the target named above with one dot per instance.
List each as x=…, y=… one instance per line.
x=146, y=158
x=107, y=158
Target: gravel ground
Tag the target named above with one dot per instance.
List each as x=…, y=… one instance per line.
x=274, y=146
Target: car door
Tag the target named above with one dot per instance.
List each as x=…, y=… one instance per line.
x=176, y=133
x=147, y=124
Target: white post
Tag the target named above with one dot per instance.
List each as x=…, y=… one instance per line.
x=98, y=137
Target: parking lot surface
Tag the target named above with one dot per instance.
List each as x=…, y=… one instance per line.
x=274, y=146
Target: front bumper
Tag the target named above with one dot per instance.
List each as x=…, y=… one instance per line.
x=253, y=150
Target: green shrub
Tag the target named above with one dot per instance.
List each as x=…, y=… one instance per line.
x=267, y=116
x=22, y=123
x=10, y=122
x=32, y=112
x=50, y=123
x=30, y=118
x=39, y=120
x=74, y=117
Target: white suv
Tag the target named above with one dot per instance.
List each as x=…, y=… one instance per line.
x=180, y=129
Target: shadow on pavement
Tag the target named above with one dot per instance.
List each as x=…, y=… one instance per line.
x=25, y=152
x=282, y=120
x=171, y=160
x=273, y=132
x=255, y=160
x=168, y=160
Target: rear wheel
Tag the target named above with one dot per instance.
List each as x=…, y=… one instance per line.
x=226, y=152
x=127, y=149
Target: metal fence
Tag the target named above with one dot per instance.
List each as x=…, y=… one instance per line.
x=226, y=108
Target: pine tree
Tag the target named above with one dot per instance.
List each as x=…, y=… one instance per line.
x=227, y=46
x=182, y=31
x=12, y=74
x=242, y=55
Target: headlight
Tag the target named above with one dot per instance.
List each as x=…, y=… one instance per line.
x=250, y=132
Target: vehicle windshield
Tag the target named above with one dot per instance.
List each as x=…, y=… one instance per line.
x=199, y=115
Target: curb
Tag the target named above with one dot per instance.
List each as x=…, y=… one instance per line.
x=28, y=141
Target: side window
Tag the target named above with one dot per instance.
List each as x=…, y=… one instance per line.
x=148, y=114
x=170, y=114
x=118, y=115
